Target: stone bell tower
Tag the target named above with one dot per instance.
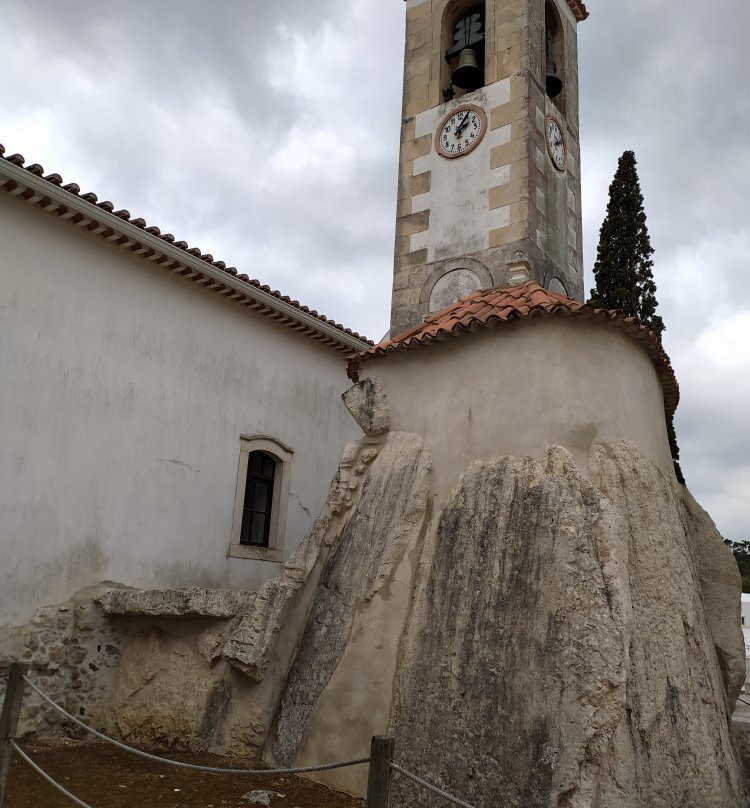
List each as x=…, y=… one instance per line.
x=489, y=174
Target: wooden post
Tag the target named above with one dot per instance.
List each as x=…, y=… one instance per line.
x=9, y=720
x=379, y=780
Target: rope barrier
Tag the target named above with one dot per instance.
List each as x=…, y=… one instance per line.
x=50, y=780
x=429, y=786
x=183, y=765
x=743, y=701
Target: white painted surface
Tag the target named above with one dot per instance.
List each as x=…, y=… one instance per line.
x=458, y=199
x=745, y=617
x=125, y=391
x=516, y=389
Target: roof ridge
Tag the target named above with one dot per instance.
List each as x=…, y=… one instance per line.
x=55, y=180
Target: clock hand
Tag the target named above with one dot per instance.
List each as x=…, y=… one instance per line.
x=460, y=128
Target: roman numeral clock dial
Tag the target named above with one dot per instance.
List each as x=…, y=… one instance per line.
x=460, y=132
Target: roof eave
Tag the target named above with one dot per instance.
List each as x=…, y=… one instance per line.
x=42, y=189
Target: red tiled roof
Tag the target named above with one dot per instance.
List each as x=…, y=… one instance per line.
x=493, y=307
x=177, y=256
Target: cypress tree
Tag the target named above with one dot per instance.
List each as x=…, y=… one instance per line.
x=675, y=449
x=622, y=271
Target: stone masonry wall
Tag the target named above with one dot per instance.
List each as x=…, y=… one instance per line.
x=72, y=652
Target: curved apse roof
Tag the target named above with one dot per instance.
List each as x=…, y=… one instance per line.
x=490, y=308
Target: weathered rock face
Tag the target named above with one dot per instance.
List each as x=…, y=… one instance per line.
x=367, y=404
x=546, y=639
x=675, y=746
x=163, y=695
x=189, y=602
x=513, y=679
x=559, y=651
x=363, y=593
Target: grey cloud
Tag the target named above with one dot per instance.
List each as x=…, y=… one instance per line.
x=176, y=109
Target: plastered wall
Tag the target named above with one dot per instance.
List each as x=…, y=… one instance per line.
x=517, y=389
x=124, y=394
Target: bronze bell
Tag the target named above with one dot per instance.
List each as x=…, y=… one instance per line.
x=468, y=75
x=554, y=84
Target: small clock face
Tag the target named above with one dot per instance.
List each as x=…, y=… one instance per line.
x=555, y=143
x=460, y=132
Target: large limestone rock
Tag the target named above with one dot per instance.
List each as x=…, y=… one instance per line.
x=514, y=675
x=363, y=593
x=165, y=696
x=187, y=602
x=545, y=639
x=368, y=406
x=675, y=748
x=560, y=651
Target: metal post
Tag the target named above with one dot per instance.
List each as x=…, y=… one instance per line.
x=379, y=780
x=9, y=720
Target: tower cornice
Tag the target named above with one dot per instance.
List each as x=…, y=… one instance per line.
x=578, y=9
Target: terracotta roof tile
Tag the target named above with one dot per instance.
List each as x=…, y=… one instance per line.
x=493, y=307
x=56, y=180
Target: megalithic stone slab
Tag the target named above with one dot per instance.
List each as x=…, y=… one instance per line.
x=560, y=650
x=387, y=519
x=367, y=404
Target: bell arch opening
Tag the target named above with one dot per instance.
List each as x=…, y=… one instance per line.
x=554, y=55
x=463, y=46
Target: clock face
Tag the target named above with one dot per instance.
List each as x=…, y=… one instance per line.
x=460, y=132
x=555, y=143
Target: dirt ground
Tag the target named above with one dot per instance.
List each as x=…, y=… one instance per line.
x=106, y=777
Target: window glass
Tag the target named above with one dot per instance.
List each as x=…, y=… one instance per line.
x=256, y=513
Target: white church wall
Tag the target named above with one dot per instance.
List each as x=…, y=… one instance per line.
x=125, y=392
x=745, y=620
x=517, y=389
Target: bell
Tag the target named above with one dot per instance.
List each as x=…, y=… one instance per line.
x=554, y=84
x=468, y=75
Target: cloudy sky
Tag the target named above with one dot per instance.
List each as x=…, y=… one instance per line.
x=267, y=135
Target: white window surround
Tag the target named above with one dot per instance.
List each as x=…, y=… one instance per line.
x=283, y=456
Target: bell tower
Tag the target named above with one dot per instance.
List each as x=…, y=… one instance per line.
x=489, y=173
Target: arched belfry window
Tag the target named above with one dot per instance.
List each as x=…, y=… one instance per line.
x=258, y=503
x=464, y=48
x=554, y=55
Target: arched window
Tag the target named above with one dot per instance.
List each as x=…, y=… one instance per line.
x=258, y=503
x=261, y=499
x=554, y=55
x=463, y=48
